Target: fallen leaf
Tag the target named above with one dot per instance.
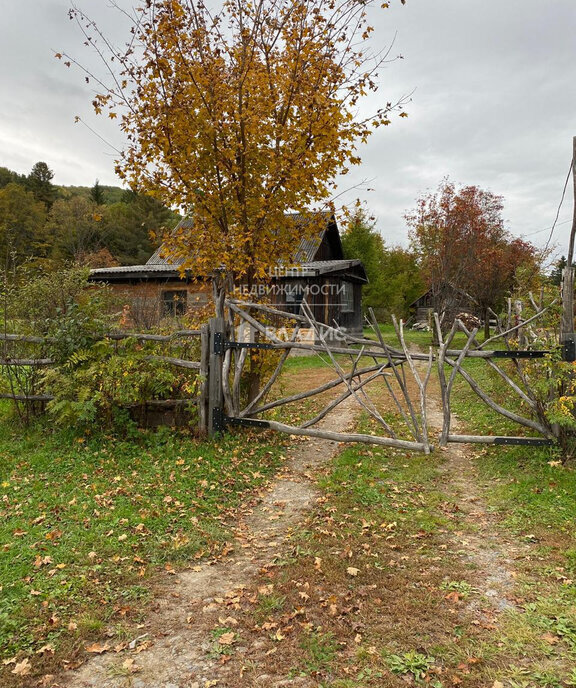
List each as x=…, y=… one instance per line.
x=352, y=571
x=45, y=650
x=22, y=668
x=227, y=638
x=130, y=665
x=228, y=621
x=42, y=561
x=98, y=648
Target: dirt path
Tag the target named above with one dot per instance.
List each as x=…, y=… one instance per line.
x=175, y=647
x=490, y=551
x=172, y=649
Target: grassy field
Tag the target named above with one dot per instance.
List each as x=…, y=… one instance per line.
x=374, y=589
x=86, y=522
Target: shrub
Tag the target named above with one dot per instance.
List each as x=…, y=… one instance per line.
x=100, y=383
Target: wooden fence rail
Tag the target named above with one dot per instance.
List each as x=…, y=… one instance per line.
x=356, y=361
x=19, y=393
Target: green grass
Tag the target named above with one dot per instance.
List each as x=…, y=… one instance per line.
x=529, y=485
x=295, y=364
x=86, y=520
x=417, y=337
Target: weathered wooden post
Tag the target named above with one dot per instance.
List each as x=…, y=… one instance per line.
x=204, y=377
x=215, y=392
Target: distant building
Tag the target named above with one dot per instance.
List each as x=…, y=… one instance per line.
x=447, y=300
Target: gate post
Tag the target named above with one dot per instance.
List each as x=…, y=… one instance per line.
x=215, y=393
x=204, y=377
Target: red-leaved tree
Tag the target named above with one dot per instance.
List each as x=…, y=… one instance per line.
x=463, y=248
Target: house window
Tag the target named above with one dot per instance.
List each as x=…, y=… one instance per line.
x=294, y=295
x=174, y=303
x=347, y=297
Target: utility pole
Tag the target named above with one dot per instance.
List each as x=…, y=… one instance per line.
x=567, y=336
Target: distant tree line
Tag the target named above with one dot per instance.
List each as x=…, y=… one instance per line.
x=45, y=225
x=394, y=277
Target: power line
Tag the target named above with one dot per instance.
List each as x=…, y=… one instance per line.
x=560, y=204
x=545, y=229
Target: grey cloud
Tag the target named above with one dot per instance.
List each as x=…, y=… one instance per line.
x=494, y=103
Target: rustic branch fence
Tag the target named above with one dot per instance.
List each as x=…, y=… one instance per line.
x=357, y=362
x=9, y=364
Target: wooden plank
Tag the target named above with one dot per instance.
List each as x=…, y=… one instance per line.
x=178, y=362
x=204, y=363
x=30, y=362
x=153, y=337
x=347, y=437
x=26, y=397
x=168, y=403
x=24, y=338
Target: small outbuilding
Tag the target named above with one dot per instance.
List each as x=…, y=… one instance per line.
x=447, y=299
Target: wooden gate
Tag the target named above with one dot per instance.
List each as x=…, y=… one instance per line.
x=369, y=359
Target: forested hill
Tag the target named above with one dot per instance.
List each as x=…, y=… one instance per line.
x=44, y=225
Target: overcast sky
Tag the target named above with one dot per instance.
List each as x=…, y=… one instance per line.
x=493, y=104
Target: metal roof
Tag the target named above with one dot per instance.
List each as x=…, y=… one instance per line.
x=134, y=269
x=304, y=264
x=321, y=267
x=304, y=253
x=307, y=269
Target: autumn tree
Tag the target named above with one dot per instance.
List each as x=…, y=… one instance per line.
x=459, y=236
x=238, y=116
x=22, y=232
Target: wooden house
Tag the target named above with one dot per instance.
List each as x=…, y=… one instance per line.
x=331, y=284
x=448, y=300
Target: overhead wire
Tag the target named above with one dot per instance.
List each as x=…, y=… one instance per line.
x=545, y=229
x=560, y=204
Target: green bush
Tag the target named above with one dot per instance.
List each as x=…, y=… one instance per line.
x=100, y=383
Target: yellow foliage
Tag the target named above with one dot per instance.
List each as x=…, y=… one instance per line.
x=240, y=116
